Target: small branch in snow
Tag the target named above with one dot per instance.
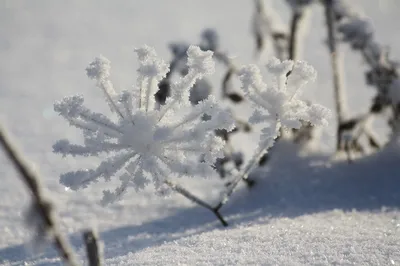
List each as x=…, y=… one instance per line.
x=336, y=69
x=92, y=248
x=279, y=116
x=243, y=176
x=42, y=206
x=181, y=190
x=357, y=31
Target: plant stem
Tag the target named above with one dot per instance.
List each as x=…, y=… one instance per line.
x=181, y=190
x=92, y=248
x=336, y=68
x=244, y=174
x=42, y=205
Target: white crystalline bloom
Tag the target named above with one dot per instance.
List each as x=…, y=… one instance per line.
x=279, y=103
x=145, y=145
x=99, y=68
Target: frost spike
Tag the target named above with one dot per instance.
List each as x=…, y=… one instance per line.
x=99, y=70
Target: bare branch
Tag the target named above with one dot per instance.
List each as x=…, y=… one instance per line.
x=181, y=190
x=42, y=205
x=92, y=248
x=336, y=68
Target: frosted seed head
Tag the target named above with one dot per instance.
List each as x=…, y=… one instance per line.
x=249, y=75
x=154, y=69
x=278, y=67
x=99, y=68
x=150, y=65
x=149, y=145
x=319, y=115
x=304, y=71
x=145, y=52
x=301, y=74
x=69, y=106
x=200, y=61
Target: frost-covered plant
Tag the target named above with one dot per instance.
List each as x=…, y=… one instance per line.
x=210, y=40
x=278, y=105
x=202, y=87
x=357, y=30
x=287, y=39
x=145, y=144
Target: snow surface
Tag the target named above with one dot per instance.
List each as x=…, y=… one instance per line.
x=304, y=210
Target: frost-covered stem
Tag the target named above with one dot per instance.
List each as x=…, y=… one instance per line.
x=103, y=87
x=43, y=206
x=196, y=200
x=101, y=124
x=244, y=174
x=149, y=100
x=92, y=248
x=336, y=66
x=186, y=82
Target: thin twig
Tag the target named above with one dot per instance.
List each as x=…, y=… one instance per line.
x=265, y=18
x=42, y=205
x=336, y=69
x=294, y=34
x=244, y=174
x=181, y=190
x=92, y=248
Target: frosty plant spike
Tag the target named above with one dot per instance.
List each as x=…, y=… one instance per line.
x=278, y=105
x=145, y=145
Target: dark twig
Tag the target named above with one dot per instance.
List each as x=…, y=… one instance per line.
x=383, y=71
x=181, y=190
x=294, y=34
x=279, y=38
x=92, y=248
x=337, y=77
x=243, y=175
x=43, y=207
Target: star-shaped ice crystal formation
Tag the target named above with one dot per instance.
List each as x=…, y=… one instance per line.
x=145, y=144
x=279, y=104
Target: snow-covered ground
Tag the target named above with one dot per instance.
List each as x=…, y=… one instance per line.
x=304, y=210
